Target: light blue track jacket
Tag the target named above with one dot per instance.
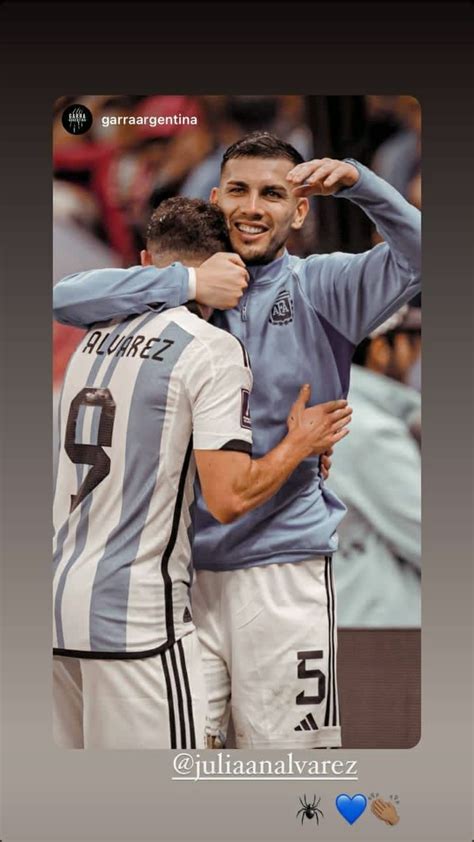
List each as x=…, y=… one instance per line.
x=299, y=320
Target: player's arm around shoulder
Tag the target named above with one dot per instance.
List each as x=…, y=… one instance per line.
x=98, y=295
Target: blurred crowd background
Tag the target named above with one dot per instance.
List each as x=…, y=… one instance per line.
x=106, y=184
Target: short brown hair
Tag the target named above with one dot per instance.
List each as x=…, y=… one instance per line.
x=188, y=228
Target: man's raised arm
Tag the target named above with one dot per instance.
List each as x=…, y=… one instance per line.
x=357, y=292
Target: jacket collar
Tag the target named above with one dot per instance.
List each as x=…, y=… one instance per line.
x=269, y=271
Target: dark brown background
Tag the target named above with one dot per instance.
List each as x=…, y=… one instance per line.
x=379, y=687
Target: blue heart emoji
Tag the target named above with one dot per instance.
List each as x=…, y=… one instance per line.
x=351, y=808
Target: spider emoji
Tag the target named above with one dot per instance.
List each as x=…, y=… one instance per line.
x=310, y=811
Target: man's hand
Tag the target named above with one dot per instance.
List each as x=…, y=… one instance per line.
x=322, y=177
x=221, y=281
x=319, y=427
x=385, y=811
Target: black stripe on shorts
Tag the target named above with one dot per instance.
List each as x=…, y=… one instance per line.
x=189, y=701
x=330, y=638
x=170, y=701
x=177, y=681
x=333, y=643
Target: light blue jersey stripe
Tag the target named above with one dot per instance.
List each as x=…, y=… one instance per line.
x=64, y=530
x=109, y=601
x=83, y=525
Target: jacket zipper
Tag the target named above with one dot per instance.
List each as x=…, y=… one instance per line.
x=243, y=307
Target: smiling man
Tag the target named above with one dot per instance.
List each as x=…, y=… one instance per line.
x=264, y=593
x=260, y=207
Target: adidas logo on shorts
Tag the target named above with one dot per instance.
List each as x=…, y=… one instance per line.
x=307, y=724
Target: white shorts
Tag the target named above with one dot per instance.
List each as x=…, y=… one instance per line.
x=268, y=638
x=157, y=702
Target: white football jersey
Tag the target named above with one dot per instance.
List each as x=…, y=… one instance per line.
x=137, y=398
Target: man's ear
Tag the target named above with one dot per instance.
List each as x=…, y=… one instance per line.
x=301, y=213
x=214, y=197
x=146, y=258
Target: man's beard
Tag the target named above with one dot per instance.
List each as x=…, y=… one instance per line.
x=261, y=260
x=267, y=257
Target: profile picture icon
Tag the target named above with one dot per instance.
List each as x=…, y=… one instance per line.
x=77, y=119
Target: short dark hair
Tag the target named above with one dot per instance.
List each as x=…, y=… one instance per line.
x=187, y=227
x=261, y=145
x=362, y=351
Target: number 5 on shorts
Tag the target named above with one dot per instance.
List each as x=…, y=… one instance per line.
x=304, y=672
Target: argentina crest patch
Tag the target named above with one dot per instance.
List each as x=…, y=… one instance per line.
x=282, y=309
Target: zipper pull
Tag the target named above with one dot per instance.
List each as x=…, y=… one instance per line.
x=243, y=311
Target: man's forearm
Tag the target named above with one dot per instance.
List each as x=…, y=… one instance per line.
x=357, y=292
x=232, y=483
x=103, y=294
x=397, y=220
x=265, y=476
